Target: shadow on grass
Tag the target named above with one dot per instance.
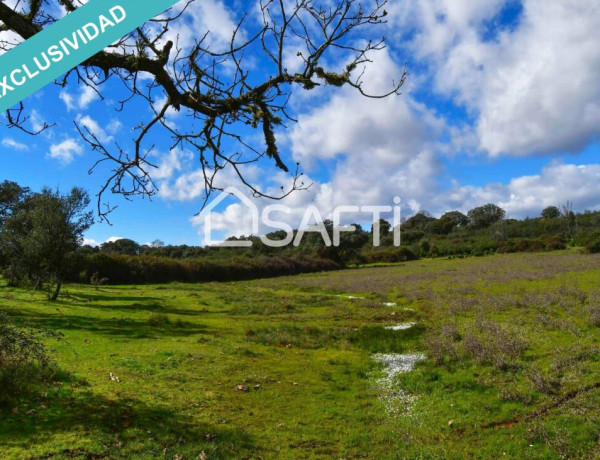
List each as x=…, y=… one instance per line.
x=152, y=307
x=98, y=427
x=375, y=339
x=98, y=296
x=293, y=335
x=118, y=327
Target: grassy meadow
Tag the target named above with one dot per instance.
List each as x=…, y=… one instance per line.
x=285, y=367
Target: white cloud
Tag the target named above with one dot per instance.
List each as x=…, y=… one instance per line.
x=36, y=121
x=235, y=220
x=532, y=88
x=67, y=99
x=170, y=163
x=12, y=144
x=90, y=242
x=66, y=151
x=187, y=187
x=8, y=40
x=528, y=195
x=381, y=149
x=80, y=101
x=190, y=185
x=91, y=124
x=114, y=127
x=523, y=196
x=112, y=239
x=384, y=131
x=541, y=93
x=439, y=25
x=213, y=16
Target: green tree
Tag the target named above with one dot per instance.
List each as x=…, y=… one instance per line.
x=420, y=221
x=385, y=229
x=121, y=246
x=457, y=217
x=442, y=226
x=485, y=216
x=11, y=195
x=570, y=218
x=351, y=243
x=42, y=236
x=551, y=212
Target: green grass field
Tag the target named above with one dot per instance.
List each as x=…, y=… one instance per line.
x=285, y=368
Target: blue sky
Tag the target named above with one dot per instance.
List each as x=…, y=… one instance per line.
x=502, y=105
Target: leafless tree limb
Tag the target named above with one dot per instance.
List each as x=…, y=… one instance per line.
x=224, y=96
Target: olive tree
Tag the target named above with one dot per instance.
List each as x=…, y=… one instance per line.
x=40, y=237
x=486, y=215
x=457, y=218
x=551, y=212
x=121, y=246
x=11, y=194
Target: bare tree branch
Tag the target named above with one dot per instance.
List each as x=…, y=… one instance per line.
x=223, y=93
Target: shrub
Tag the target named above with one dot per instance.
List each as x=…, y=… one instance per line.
x=25, y=362
x=543, y=243
x=491, y=343
x=412, y=236
x=594, y=316
x=96, y=281
x=553, y=242
x=544, y=382
x=486, y=342
x=390, y=255
x=593, y=246
x=122, y=269
x=586, y=238
x=159, y=320
x=441, y=343
x=424, y=248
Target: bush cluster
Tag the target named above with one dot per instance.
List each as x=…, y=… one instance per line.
x=24, y=360
x=486, y=246
x=389, y=255
x=122, y=269
x=485, y=342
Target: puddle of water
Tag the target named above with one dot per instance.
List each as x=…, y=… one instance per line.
x=396, y=400
x=400, y=327
x=398, y=363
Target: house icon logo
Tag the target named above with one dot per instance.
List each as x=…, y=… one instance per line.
x=207, y=214
x=311, y=214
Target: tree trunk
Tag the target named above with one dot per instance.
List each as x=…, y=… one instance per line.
x=57, y=290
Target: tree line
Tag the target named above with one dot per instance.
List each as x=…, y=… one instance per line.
x=482, y=230
x=41, y=235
